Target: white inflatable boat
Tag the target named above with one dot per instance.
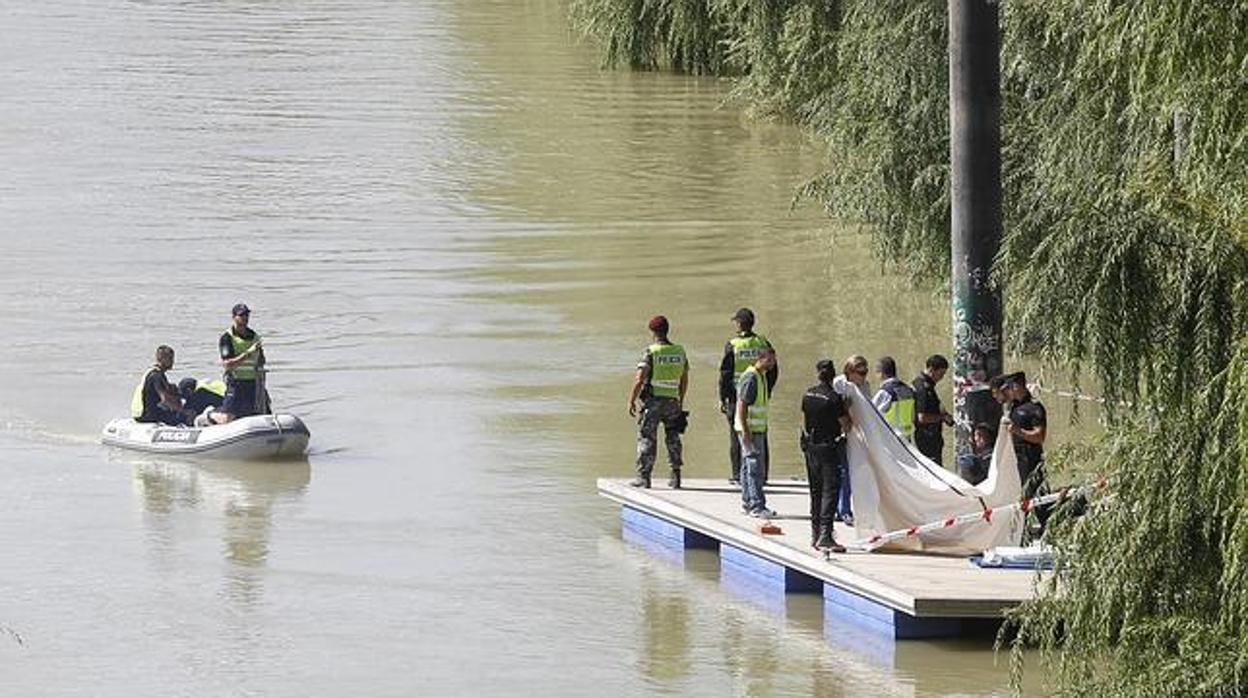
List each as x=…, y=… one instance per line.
x=248, y=438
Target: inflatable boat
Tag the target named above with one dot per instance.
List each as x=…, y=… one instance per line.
x=248, y=438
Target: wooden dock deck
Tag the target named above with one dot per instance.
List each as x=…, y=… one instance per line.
x=901, y=595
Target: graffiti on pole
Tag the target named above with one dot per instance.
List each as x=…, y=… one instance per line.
x=977, y=350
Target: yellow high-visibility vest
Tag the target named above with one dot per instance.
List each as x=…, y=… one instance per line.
x=216, y=387
x=245, y=371
x=667, y=366
x=136, y=400
x=900, y=411
x=745, y=351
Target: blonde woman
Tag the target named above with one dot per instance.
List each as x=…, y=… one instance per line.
x=854, y=371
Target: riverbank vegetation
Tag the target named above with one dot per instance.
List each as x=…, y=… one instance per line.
x=1125, y=257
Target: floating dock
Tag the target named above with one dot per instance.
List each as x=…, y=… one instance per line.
x=894, y=595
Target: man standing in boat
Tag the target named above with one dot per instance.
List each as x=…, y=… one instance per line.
x=739, y=354
x=242, y=356
x=661, y=381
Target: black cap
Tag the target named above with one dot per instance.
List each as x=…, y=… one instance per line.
x=744, y=316
x=825, y=365
x=240, y=309
x=186, y=387
x=1018, y=377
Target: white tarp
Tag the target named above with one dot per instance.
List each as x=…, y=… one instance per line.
x=896, y=487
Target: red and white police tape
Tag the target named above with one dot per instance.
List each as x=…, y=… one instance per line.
x=1025, y=505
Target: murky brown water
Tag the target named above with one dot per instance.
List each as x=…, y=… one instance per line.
x=451, y=227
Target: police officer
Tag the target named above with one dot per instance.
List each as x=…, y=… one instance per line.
x=661, y=381
x=825, y=423
x=154, y=400
x=199, y=395
x=750, y=420
x=894, y=399
x=242, y=355
x=739, y=354
x=928, y=413
x=1028, y=425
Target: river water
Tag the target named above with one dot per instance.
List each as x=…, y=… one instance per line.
x=451, y=227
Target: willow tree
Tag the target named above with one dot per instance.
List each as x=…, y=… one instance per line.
x=1128, y=253
x=1125, y=155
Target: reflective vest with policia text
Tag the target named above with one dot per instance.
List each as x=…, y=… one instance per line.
x=900, y=412
x=136, y=400
x=745, y=352
x=756, y=414
x=667, y=367
x=245, y=371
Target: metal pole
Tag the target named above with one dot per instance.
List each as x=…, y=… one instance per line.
x=975, y=203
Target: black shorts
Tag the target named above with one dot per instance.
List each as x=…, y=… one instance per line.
x=240, y=398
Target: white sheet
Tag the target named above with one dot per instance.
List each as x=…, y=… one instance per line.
x=895, y=487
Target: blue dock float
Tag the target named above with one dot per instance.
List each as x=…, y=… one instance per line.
x=886, y=595
x=665, y=532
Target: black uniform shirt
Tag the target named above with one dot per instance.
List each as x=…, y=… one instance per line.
x=926, y=401
x=155, y=387
x=822, y=409
x=1028, y=414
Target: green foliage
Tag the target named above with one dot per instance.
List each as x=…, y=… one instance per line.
x=1151, y=593
x=886, y=120
x=681, y=35
x=1125, y=157
x=1126, y=152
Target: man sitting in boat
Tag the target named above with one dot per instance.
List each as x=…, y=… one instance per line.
x=199, y=395
x=154, y=399
x=243, y=358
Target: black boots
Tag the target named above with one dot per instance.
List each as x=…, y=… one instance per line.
x=643, y=481
x=827, y=543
